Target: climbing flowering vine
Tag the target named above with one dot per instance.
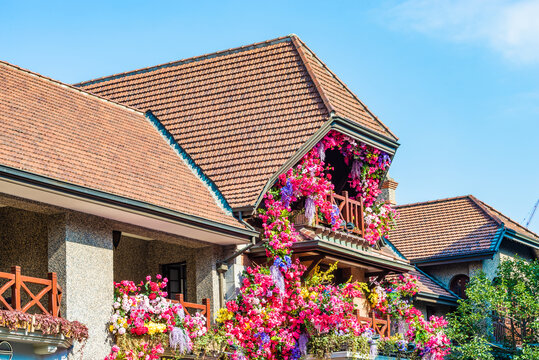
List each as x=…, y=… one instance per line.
x=393, y=296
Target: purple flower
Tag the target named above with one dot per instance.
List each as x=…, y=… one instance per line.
x=334, y=214
x=286, y=193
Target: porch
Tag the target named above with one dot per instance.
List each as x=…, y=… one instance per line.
x=60, y=263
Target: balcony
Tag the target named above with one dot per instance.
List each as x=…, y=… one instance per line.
x=204, y=308
x=30, y=314
x=16, y=293
x=382, y=327
x=350, y=213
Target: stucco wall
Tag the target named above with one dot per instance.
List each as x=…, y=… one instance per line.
x=23, y=241
x=508, y=250
x=134, y=259
x=446, y=272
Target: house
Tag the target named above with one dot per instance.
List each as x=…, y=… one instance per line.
x=163, y=169
x=95, y=192
x=451, y=240
x=248, y=114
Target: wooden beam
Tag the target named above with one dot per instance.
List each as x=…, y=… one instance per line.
x=313, y=264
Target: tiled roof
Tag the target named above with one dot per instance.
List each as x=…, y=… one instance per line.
x=449, y=227
x=241, y=113
x=428, y=285
x=441, y=228
x=61, y=132
x=508, y=222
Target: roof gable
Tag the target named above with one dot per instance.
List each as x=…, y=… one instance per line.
x=64, y=133
x=453, y=227
x=241, y=113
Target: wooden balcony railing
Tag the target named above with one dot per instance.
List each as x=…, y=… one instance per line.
x=381, y=326
x=350, y=213
x=19, y=285
x=204, y=307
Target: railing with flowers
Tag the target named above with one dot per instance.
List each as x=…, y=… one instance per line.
x=20, y=286
x=381, y=326
x=348, y=211
x=204, y=307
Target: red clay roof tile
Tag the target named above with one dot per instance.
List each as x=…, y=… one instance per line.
x=58, y=131
x=241, y=113
x=449, y=227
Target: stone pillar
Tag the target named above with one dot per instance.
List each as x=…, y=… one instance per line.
x=80, y=252
x=207, y=279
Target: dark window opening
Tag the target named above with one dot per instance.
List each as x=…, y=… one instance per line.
x=430, y=312
x=458, y=285
x=177, y=279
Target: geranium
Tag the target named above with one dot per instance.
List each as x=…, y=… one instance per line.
x=144, y=321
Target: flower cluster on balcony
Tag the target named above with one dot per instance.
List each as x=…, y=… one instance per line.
x=144, y=322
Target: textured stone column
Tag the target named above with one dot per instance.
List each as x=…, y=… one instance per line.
x=80, y=251
x=206, y=276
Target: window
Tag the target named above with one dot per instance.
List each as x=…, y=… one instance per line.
x=177, y=279
x=431, y=311
x=458, y=285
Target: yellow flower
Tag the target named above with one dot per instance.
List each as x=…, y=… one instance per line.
x=224, y=315
x=111, y=328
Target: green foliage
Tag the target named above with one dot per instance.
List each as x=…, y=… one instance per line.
x=211, y=345
x=321, y=346
x=528, y=353
x=396, y=347
x=511, y=301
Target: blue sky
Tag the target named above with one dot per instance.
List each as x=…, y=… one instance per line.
x=457, y=81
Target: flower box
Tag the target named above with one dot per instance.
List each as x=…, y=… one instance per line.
x=341, y=355
x=383, y=357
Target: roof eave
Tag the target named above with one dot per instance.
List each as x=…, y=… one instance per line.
x=453, y=259
x=24, y=177
x=438, y=299
x=521, y=238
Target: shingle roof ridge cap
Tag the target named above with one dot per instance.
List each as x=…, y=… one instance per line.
x=185, y=60
x=325, y=99
x=436, y=281
x=432, y=201
x=483, y=208
x=69, y=87
x=348, y=89
x=491, y=208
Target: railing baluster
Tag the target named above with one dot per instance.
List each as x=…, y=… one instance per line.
x=346, y=207
x=362, y=216
x=16, y=289
x=53, y=294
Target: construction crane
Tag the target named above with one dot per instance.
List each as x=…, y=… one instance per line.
x=531, y=214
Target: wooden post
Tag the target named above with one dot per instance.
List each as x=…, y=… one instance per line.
x=206, y=302
x=388, y=319
x=53, y=294
x=16, y=289
x=373, y=319
x=362, y=218
x=346, y=208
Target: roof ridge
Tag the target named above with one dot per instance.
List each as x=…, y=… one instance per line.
x=197, y=171
x=481, y=205
x=502, y=214
x=297, y=44
x=347, y=88
x=187, y=60
x=433, y=201
x=69, y=86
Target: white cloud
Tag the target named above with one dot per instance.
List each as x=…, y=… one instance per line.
x=510, y=28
